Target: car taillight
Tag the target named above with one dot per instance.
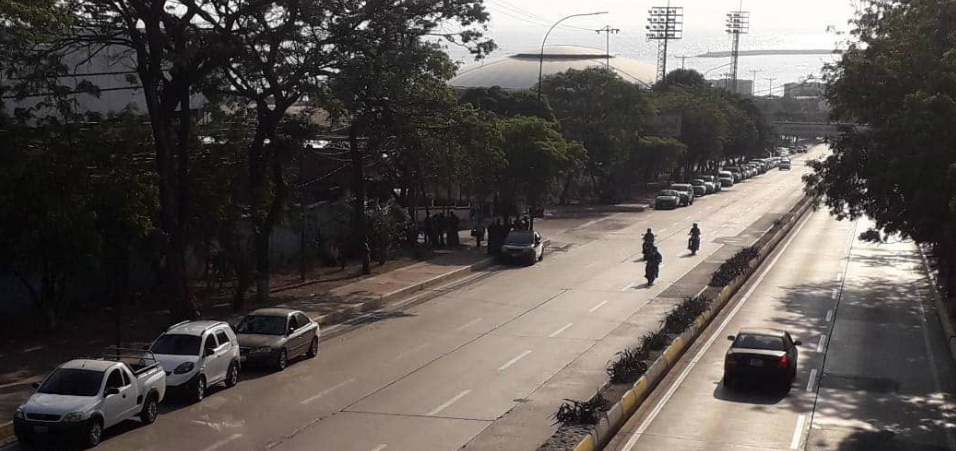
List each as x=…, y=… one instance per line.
x=731, y=359
x=782, y=363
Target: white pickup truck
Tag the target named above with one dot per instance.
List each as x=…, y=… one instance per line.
x=82, y=397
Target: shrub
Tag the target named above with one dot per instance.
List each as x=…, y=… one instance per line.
x=581, y=412
x=654, y=341
x=681, y=317
x=630, y=365
x=731, y=269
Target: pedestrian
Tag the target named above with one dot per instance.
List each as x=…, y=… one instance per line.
x=453, y=225
x=516, y=225
x=439, y=228
x=493, y=230
x=479, y=234
x=427, y=229
x=525, y=223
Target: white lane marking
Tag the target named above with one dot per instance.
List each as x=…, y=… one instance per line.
x=813, y=380
x=451, y=401
x=629, y=286
x=413, y=298
x=468, y=324
x=829, y=315
x=403, y=354
x=661, y=231
x=680, y=379
x=822, y=343
x=514, y=360
x=592, y=264
x=932, y=363
x=327, y=391
x=839, y=276
x=558, y=332
x=596, y=307
x=835, y=294
x=798, y=432
x=222, y=442
x=380, y=447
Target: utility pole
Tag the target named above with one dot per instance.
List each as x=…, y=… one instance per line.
x=608, y=30
x=753, y=88
x=770, y=92
x=738, y=23
x=664, y=24
x=683, y=59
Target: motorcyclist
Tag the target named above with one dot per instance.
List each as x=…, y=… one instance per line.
x=694, y=243
x=648, y=243
x=653, y=265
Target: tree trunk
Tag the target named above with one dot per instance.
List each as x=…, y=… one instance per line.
x=358, y=189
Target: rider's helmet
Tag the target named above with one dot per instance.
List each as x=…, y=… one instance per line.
x=648, y=230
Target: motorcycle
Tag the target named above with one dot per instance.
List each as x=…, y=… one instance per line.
x=693, y=245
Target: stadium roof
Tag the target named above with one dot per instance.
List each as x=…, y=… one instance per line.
x=520, y=71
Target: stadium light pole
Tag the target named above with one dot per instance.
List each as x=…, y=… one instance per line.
x=543, y=41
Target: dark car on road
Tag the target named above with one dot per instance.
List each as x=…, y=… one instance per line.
x=686, y=193
x=761, y=355
x=523, y=245
x=667, y=199
x=273, y=336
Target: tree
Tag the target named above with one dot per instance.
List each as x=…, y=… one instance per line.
x=604, y=113
x=508, y=103
x=686, y=78
x=537, y=156
x=897, y=78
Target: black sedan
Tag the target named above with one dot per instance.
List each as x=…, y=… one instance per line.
x=667, y=199
x=273, y=336
x=761, y=354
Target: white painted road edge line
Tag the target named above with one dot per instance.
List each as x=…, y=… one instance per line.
x=670, y=392
x=822, y=343
x=468, y=324
x=514, y=360
x=451, y=401
x=327, y=391
x=558, y=332
x=404, y=354
x=222, y=442
x=813, y=380
x=835, y=294
x=829, y=315
x=594, y=309
x=380, y=447
x=798, y=432
x=629, y=286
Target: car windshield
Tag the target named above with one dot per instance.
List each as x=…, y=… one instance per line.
x=520, y=238
x=697, y=182
x=262, y=325
x=668, y=193
x=72, y=382
x=765, y=342
x=176, y=344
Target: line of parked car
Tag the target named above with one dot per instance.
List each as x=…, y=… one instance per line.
x=82, y=397
x=683, y=194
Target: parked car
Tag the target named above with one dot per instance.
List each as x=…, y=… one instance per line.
x=686, y=193
x=273, y=336
x=82, y=397
x=763, y=354
x=737, y=173
x=784, y=165
x=667, y=199
x=699, y=188
x=726, y=178
x=197, y=354
x=523, y=245
x=713, y=180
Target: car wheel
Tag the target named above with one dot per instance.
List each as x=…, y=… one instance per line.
x=313, y=348
x=282, y=360
x=199, y=391
x=94, y=432
x=541, y=257
x=233, y=377
x=150, y=410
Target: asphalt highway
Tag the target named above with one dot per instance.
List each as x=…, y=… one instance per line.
x=485, y=362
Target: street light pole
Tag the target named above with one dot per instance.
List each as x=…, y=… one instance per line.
x=543, y=41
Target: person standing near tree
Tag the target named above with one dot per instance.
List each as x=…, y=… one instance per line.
x=453, y=223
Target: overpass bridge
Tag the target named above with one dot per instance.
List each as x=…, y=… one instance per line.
x=812, y=129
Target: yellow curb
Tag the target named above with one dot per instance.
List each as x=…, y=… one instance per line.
x=6, y=430
x=672, y=353
x=641, y=388
x=586, y=445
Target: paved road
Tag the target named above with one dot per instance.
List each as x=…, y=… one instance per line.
x=486, y=363
x=874, y=370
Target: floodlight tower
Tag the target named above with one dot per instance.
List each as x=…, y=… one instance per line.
x=738, y=23
x=665, y=23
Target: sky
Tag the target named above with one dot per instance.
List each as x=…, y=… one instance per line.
x=518, y=25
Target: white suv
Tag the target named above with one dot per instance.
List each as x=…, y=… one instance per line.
x=197, y=354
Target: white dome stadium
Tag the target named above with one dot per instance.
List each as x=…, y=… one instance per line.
x=520, y=71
